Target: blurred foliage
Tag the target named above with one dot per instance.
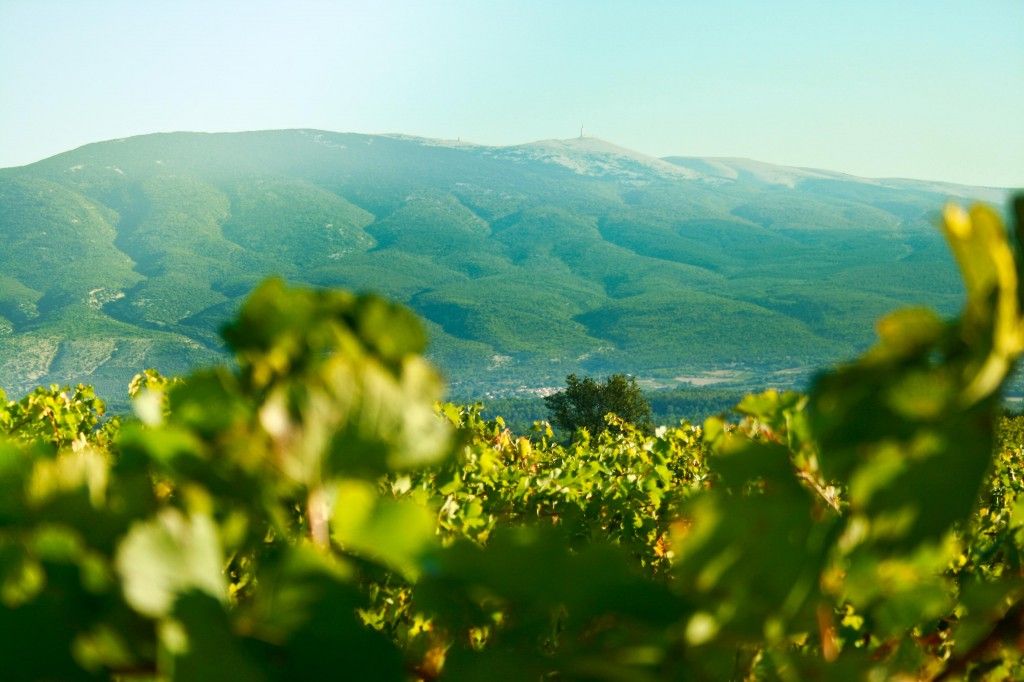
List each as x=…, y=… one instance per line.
x=313, y=510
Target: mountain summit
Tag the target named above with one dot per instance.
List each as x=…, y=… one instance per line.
x=526, y=261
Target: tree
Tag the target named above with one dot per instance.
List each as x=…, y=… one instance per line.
x=585, y=402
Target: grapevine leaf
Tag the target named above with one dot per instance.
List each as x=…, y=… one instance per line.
x=395, y=532
x=162, y=558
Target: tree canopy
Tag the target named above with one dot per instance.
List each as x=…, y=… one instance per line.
x=585, y=402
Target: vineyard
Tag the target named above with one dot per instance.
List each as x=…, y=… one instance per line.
x=313, y=511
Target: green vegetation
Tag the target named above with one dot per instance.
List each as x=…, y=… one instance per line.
x=585, y=403
x=311, y=511
x=668, y=406
x=526, y=264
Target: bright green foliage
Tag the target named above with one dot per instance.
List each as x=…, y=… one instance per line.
x=313, y=512
x=60, y=416
x=167, y=557
x=622, y=484
x=163, y=537
x=584, y=403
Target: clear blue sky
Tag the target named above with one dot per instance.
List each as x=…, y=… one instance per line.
x=878, y=88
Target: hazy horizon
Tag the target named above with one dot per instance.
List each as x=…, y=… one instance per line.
x=471, y=143
x=872, y=90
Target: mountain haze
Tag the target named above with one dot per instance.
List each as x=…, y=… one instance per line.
x=526, y=261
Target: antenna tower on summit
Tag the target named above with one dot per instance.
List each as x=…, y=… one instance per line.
x=581, y=131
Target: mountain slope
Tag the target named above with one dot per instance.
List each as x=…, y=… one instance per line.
x=527, y=262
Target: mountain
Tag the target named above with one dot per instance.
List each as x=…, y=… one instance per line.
x=526, y=262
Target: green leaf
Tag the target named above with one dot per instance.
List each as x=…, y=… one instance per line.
x=203, y=646
x=397, y=533
x=162, y=558
x=303, y=617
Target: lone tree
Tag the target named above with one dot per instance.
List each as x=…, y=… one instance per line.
x=585, y=402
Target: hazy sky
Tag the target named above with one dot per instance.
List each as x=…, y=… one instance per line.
x=878, y=88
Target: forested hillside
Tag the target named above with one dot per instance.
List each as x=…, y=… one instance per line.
x=526, y=262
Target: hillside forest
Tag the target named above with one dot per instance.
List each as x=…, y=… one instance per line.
x=524, y=263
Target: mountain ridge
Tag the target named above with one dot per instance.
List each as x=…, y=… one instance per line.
x=603, y=145
x=526, y=262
